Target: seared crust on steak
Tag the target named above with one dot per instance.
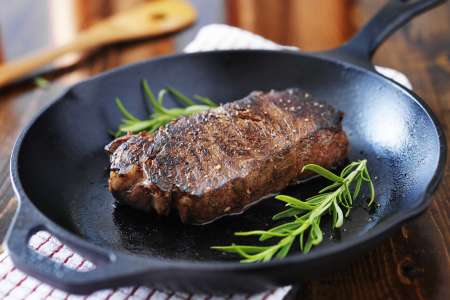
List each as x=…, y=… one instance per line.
x=219, y=161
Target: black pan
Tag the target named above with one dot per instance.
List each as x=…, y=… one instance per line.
x=58, y=168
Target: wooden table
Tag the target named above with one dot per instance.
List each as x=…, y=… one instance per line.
x=415, y=262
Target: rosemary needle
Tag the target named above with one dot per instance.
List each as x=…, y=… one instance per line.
x=305, y=216
x=41, y=82
x=160, y=115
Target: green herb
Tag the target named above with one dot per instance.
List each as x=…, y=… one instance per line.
x=160, y=115
x=41, y=82
x=306, y=216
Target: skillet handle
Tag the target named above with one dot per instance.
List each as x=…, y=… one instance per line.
x=360, y=49
x=27, y=221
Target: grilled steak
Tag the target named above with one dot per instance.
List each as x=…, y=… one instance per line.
x=218, y=162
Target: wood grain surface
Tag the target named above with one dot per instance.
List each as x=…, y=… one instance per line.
x=415, y=262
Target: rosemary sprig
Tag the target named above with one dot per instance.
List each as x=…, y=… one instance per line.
x=160, y=115
x=306, y=216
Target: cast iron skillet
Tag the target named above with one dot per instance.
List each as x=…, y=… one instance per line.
x=58, y=168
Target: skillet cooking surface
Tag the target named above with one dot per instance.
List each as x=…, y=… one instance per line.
x=66, y=175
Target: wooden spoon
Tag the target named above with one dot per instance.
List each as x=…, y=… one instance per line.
x=145, y=20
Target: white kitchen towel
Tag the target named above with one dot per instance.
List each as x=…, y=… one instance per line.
x=17, y=285
x=223, y=37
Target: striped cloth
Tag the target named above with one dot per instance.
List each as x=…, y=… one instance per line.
x=16, y=285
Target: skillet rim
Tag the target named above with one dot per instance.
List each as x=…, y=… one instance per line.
x=384, y=227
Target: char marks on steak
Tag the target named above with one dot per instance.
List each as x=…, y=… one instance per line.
x=220, y=161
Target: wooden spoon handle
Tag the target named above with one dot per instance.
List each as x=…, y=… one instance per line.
x=18, y=68
x=145, y=20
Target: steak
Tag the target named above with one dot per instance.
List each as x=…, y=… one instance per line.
x=220, y=161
